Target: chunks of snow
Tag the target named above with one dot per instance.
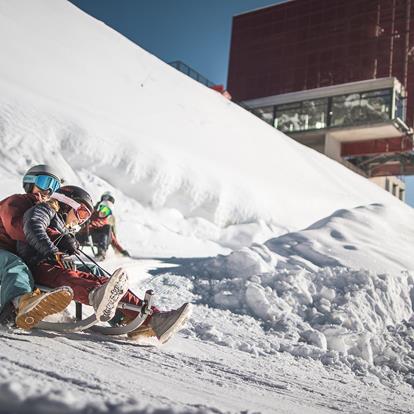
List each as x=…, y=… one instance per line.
x=313, y=308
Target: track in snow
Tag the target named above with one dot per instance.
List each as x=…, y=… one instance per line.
x=183, y=375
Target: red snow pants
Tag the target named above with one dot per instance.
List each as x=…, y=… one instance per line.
x=82, y=283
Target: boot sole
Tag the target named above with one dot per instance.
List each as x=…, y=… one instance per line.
x=115, y=289
x=141, y=332
x=177, y=325
x=50, y=303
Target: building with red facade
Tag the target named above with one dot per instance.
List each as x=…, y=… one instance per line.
x=336, y=75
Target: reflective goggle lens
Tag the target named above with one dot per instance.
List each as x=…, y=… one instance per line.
x=44, y=182
x=105, y=210
x=82, y=213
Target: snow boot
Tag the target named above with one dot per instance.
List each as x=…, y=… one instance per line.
x=163, y=324
x=34, y=307
x=105, y=298
x=143, y=331
x=100, y=255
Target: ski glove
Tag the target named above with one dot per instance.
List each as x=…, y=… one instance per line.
x=65, y=261
x=68, y=244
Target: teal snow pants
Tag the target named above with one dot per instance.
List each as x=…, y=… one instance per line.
x=15, y=277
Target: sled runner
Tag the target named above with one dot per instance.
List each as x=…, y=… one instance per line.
x=91, y=322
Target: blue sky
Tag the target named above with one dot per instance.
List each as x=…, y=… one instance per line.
x=195, y=31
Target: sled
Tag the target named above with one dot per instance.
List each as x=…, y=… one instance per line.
x=91, y=322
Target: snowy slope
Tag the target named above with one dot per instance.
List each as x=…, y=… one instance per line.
x=75, y=91
x=306, y=303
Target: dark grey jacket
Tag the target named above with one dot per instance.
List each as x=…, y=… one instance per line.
x=39, y=246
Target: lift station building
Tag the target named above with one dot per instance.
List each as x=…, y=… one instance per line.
x=335, y=75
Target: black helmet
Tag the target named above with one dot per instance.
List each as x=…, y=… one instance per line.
x=37, y=170
x=107, y=196
x=78, y=194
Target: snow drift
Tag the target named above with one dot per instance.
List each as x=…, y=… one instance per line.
x=336, y=291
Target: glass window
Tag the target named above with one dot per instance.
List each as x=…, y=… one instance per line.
x=361, y=108
x=288, y=117
x=266, y=114
x=377, y=105
x=302, y=116
x=400, y=107
x=314, y=113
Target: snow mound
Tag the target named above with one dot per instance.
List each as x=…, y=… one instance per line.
x=376, y=237
x=335, y=315
x=311, y=297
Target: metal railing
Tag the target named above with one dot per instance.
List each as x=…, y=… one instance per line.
x=184, y=68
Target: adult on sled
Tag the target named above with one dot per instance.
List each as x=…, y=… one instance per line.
x=16, y=281
x=99, y=230
x=45, y=226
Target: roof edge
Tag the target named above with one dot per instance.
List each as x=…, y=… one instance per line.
x=324, y=92
x=264, y=7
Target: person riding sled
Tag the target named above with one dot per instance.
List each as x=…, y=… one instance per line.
x=17, y=298
x=48, y=248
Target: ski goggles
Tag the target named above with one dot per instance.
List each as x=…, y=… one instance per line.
x=104, y=210
x=82, y=212
x=44, y=182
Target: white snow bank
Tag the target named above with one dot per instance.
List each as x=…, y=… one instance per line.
x=335, y=315
x=376, y=237
x=298, y=289
x=75, y=93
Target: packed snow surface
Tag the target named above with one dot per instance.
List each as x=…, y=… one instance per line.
x=300, y=272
